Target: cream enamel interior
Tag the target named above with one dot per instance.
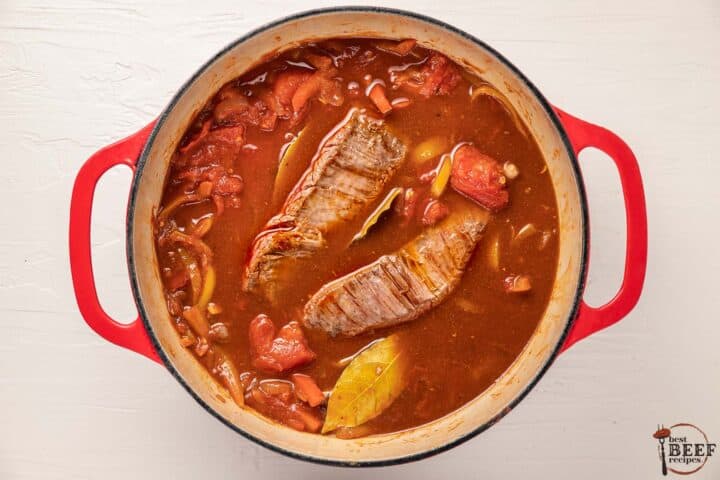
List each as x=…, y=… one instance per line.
x=508, y=387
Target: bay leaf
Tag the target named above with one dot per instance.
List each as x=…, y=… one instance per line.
x=442, y=176
x=377, y=213
x=368, y=385
x=282, y=178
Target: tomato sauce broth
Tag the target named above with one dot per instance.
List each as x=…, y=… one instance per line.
x=458, y=348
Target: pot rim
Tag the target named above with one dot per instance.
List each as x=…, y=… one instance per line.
x=583, y=261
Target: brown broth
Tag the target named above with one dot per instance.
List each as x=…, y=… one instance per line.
x=462, y=346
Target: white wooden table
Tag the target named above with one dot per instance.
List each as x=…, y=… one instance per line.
x=77, y=76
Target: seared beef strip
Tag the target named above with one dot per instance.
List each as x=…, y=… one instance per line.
x=401, y=286
x=345, y=177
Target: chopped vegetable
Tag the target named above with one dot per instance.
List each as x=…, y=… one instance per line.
x=431, y=148
x=545, y=239
x=275, y=398
x=348, y=433
x=434, y=211
x=442, y=176
x=305, y=92
x=517, y=284
x=525, y=232
x=369, y=385
x=285, y=86
x=208, y=287
x=227, y=372
x=378, y=97
x=479, y=177
x=409, y=204
x=219, y=332
x=175, y=236
x=276, y=387
x=193, y=270
x=197, y=321
x=401, y=48
x=511, y=170
x=201, y=347
x=182, y=199
x=202, y=225
x=436, y=76
x=198, y=138
x=441, y=76
x=277, y=354
x=214, y=308
x=307, y=390
x=384, y=206
x=228, y=185
x=400, y=102
x=328, y=91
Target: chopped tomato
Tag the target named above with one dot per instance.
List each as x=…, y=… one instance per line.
x=480, y=178
x=305, y=92
x=378, y=97
x=307, y=390
x=320, y=85
x=434, y=211
x=228, y=185
x=232, y=109
x=285, y=87
x=201, y=135
x=277, y=401
x=215, y=179
x=437, y=76
x=237, y=110
x=279, y=353
x=176, y=278
x=440, y=76
x=220, y=146
x=408, y=205
x=234, y=136
x=321, y=62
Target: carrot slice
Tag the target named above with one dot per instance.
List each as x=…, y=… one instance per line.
x=307, y=390
x=378, y=97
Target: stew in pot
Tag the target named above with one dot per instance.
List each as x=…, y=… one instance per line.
x=357, y=236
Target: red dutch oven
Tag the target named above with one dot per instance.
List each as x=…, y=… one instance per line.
x=560, y=136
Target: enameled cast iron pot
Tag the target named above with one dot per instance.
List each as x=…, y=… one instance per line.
x=560, y=136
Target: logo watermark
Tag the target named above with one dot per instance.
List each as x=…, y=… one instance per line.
x=683, y=448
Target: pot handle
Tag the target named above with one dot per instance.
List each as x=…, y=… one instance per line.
x=590, y=319
x=125, y=152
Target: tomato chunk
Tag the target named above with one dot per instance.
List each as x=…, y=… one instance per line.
x=279, y=353
x=434, y=211
x=275, y=398
x=440, y=76
x=437, y=76
x=480, y=178
x=285, y=87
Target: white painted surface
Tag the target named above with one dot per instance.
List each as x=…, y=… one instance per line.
x=78, y=76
